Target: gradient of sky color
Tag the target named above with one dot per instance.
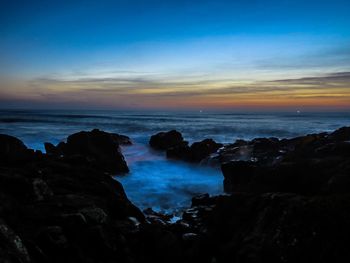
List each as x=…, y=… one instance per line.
x=175, y=54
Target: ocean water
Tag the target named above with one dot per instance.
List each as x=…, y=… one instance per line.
x=154, y=181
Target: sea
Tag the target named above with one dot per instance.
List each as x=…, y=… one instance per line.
x=154, y=181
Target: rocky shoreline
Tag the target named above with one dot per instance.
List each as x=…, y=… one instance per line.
x=288, y=201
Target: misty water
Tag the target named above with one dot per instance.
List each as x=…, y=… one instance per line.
x=154, y=181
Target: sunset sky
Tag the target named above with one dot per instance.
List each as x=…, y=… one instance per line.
x=129, y=54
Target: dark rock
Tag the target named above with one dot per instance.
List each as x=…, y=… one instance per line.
x=59, y=209
x=197, y=152
x=238, y=175
x=121, y=139
x=166, y=140
x=202, y=149
x=181, y=152
x=342, y=134
x=96, y=148
x=50, y=148
x=200, y=199
x=302, y=165
x=291, y=203
x=94, y=215
x=12, y=248
x=13, y=150
x=41, y=190
x=277, y=227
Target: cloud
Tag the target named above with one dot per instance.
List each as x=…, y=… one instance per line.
x=157, y=91
x=320, y=58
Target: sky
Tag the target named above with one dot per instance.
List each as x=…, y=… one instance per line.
x=134, y=54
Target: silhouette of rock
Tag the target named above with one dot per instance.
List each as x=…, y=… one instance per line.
x=166, y=140
x=98, y=148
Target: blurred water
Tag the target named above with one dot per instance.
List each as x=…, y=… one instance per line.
x=153, y=180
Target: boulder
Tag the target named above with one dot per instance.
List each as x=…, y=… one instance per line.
x=238, y=175
x=166, y=140
x=203, y=149
x=13, y=150
x=59, y=209
x=50, y=148
x=121, y=139
x=342, y=134
x=12, y=248
x=100, y=149
x=181, y=151
x=195, y=153
x=274, y=227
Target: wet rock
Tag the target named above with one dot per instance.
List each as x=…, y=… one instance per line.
x=197, y=152
x=300, y=165
x=181, y=152
x=166, y=140
x=121, y=139
x=203, y=149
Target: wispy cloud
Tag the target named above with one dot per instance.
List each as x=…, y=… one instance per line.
x=152, y=91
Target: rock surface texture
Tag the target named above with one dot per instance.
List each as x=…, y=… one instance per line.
x=177, y=148
x=289, y=202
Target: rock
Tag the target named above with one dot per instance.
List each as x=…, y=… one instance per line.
x=301, y=165
x=52, y=237
x=94, y=215
x=13, y=150
x=12, y=248
x=202, y=149
x=60, y=208
x=121, y=139
x=50, y=148
x=41, y=189
x=238, y=175
x=166, y=140
x=197, y=152
x=180, y=152
x=73, y=222
x=342, y=134
x=200, y=199
x=190, y=237
x=100, y=149
x=274, y=226
x=290, y=202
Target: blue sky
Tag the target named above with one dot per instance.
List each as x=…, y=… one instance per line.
x=68, y=50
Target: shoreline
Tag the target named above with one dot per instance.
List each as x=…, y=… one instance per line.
x=289, y=200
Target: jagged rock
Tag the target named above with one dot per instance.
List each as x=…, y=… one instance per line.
x=50, y=148
x=181, y=152
x=166, y=140
x=342, y=134
x=121, y=139
x=98, y=149
x=13, y=150
x=197, y=152
x=41, y=189
x=94, y=215
x=12, y=248
x=276, y=227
